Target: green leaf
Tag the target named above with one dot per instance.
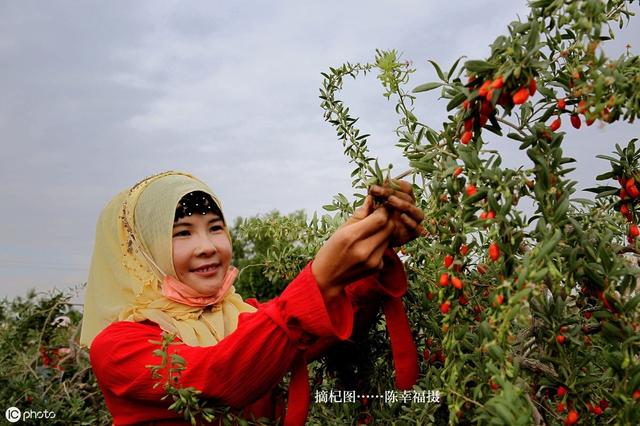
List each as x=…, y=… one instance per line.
x=606, y=176
x=601, y=189
x=476, y=197
x=631, y=304
x=548, y=113
x=453, y=67
x=457, y=100
x=438, y=70
x=504, y=414
x=426, y=87
x=606, y=157
x=330, y=207
x=547, y=93
x=534, y=37
x=540, y=3
x=515, y=136
x=550, y=244
x=479, y=66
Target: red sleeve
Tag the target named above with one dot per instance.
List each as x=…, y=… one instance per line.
x=241, y=367
x=367, y=296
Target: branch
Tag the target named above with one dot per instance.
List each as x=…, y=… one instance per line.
x=537, y=367
x=510, y=124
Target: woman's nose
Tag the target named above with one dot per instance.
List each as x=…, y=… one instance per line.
x=205, y=246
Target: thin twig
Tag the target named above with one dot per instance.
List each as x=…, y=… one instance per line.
x=404, y=174
x=465, y=398
x=510, y=124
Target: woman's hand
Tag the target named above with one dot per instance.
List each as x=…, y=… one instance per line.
x=405, y=215
x=354, y=251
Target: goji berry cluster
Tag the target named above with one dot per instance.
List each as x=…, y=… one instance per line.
x=480, y=107
x=628, y=195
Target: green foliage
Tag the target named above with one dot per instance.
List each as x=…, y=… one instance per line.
x=270, y=250
x=43, y=367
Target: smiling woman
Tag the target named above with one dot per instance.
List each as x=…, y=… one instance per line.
x=162, y=263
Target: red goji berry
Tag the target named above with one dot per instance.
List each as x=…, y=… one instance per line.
x=555, y=124
x=466, y=137
x=562, y=104
x=498, y=83
x=575, y=121
x=468, y=124
x=444, y=280
x=471, y=190
x=629, y=183
x=448, y=261
x=494, y=251
x=572, y=418
x=582, y=106
x=623, y=194
x=486, y=108
x=521, y=96
x=482, y=91
x=456, y=282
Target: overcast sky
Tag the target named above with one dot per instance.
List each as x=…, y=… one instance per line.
x=97, y=95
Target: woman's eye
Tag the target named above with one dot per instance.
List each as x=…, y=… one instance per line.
x=181, y=234
x=216, y=228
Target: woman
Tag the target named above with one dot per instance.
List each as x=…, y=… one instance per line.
x=161, y=262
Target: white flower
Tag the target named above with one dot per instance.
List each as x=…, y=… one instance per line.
x=61, y=321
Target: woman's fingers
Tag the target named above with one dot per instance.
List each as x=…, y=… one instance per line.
x=369, y=225
x=404, y=188
x=364, y=210
x=412, y=224
x=406, y=207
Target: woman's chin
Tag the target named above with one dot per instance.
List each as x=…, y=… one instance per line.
x=206, y=286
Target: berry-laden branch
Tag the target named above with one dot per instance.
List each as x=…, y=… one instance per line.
x=487, y=270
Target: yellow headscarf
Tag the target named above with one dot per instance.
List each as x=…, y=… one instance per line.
x=133, y=254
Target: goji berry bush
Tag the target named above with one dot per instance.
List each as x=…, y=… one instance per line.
x=43, y=366
x=522, y=319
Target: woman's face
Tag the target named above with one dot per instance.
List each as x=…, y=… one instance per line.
x=201, y=252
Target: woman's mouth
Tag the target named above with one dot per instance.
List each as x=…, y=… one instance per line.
x=206, y=270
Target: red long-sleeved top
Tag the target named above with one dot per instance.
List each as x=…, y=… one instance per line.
x=244, y=367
